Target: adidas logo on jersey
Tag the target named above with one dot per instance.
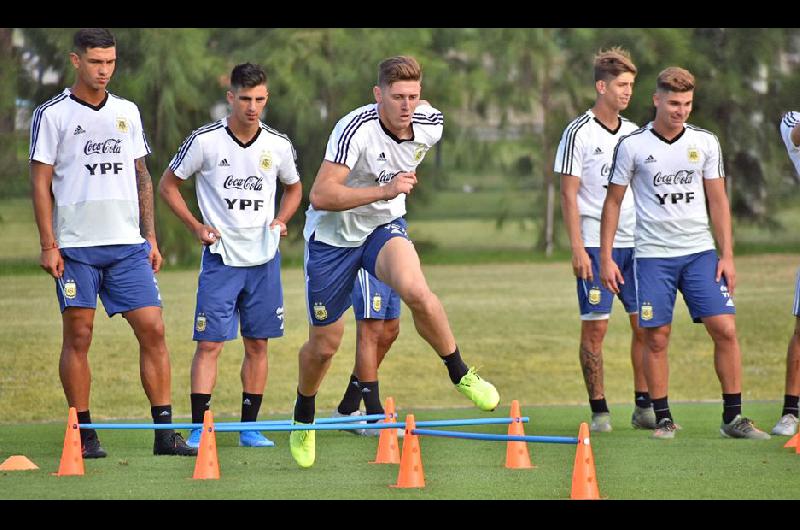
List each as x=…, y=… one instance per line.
x=598, y=151
x=224, y=163
x=382, y=157
x=78, y=130
x=650, y=159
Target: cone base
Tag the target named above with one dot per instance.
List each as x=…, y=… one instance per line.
x=17, y=463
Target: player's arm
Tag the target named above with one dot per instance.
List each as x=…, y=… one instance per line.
x=330, y=193
x=292, y=194
x=610, y=274
x=169, y=190
x=147, y=222
x=41, y=181
x=581, y=264
x=720, y=213
x=795, y=135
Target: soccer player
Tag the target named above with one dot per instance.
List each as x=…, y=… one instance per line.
x=377, y=310
x=238, y=161
x=787, y=425
x=93, y=202
x=356, y=221
x=674, y=168
x=584, y=160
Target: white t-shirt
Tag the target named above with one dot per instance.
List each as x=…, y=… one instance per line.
x=790, y=119
x=374, y=156
x=92, y=151
x=667, y=178
x=236, y=186
x=585, y=151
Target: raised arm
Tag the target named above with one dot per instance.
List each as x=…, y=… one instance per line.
x=330, y=193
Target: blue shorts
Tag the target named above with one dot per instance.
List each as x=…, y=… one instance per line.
x=594, y=298
x=374, y=299
x=659, y=279
x=120, y=274
x=229, y=295
x=331, y=271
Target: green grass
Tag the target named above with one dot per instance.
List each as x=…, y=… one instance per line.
x=697, y=464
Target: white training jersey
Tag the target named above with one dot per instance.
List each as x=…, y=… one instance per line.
x=374, y=156
x=790, y=119
x=667, y=178
x=236, y=185
x=92, y=150
x=585, y=151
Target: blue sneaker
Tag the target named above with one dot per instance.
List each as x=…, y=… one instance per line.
x=194, y=438
x=254, y=439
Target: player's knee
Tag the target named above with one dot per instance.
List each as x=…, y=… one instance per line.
x=657, y=344
x=419, y=298
x=78, y=339
x=724, y=332
x=390, y=334
x=207, y=350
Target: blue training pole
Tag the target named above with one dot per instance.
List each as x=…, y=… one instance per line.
x=497, y=437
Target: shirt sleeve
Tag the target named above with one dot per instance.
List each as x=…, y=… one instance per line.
x=189, y=158
x=622, y=165
x=287, y=172
x=44, y=137
x=429, y=121
x=712, y=166
x=140, y=146
x=345, y=143
x=569, y=156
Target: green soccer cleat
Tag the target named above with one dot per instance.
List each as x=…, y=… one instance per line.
x=643, y=418
x=480, y=391
x=303, y=446
x=601, y=422
x=741, y=427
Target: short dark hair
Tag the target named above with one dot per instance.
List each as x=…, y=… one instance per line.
x=247, y=75
x=612, y=63
x=400, y=68
x=93, y=38
x=675, y=79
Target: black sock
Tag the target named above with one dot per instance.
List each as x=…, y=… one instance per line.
x=162, y=414
x=372, y=398
x=304, y=408
x=86, y=417
x=731, y=406
x=200, y=404
x=642, y=399
x=456, y=368
x=598, y=405
x=251, y=404
x=661, y=408
x=352, y=397
x=790, y=405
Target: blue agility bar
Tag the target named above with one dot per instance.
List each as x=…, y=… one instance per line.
x=163, y=426
x=497, y=437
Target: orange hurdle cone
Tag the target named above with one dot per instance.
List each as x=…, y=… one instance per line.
x=71, y=456
x=793, y=442
x=584, y=478
x=17, y=463
x=388, y=447
x=207, y=466
x=411, y=473
x=517, y=456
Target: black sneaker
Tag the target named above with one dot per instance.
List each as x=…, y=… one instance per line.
x=172, y=443
x=90, y=448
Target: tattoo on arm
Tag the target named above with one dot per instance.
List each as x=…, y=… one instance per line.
x=144, y=184
x=592, y=365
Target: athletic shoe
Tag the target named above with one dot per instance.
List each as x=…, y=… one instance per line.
x=741, y=427
x=194, y=438
x=601, y=422
x=479, y=390
x=302, y=445
x=337, y=414
x=254, y=439
x=377, y=432
x=90, y=448
x=172, y=443
x=665, y=429
x=643, y=418
x=786, y=426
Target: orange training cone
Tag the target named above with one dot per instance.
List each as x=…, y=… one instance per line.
x=207, y=466
x=517, y=456
x=71, y=456
x=17, y=463
x=388, y=447
x=584, y=478
x=411, y=473
x=793, y=442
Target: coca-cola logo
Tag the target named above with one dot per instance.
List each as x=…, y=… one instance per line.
x=386, y=176
x=251, y=183
x=605, y=170
x=112, y=145
x=684, y=176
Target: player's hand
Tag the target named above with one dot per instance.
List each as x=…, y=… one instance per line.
x=403, y=182
x=610, y=276
x=725, y=267
x=207, y=235
x=52, y=262
x=155, y=256
x=582, y=265
x=278, y=222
